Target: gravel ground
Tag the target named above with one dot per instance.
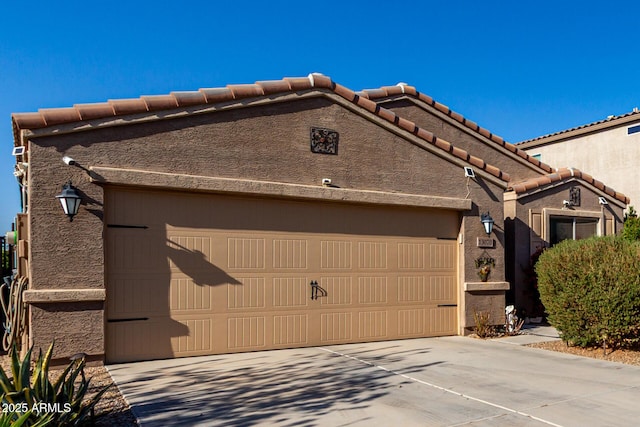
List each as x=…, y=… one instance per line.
x=113, y=410
x=627, y=356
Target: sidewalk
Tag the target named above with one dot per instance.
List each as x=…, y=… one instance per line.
x=531, y=334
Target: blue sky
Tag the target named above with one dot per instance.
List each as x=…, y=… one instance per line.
x=520, y=69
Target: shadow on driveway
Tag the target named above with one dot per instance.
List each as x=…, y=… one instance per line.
x=288, y=387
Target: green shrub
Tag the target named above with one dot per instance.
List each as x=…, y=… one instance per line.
x=59, y=403
x=631, y=227
x=591, y=290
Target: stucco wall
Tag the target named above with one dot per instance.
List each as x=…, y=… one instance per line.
x=466, y=139
x=610, y=155
x=265, y=143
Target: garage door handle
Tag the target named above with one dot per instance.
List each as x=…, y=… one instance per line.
x=132, y=319
x=447, y=305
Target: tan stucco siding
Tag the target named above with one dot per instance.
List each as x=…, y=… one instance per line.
x=466, y=139
x=609, y=155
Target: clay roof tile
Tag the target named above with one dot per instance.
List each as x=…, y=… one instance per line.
x=425, y=98
x=394, y=90
x=407, y=125
x=274, y=86
x=95, y=111
x=428, y=136
x=217, y=94
x=344, y=92
x=186, y=99
x=29, y=120
x=245, y=90
x=298, y=83
x=160, y=102
x=476, y=161
x=55, y=116
x=367, y=104
x=441, y=107
x=460, y=153
x=128, y=106
x=456, y=116
x=442, y=144
x=388, y=115
x=321, y=81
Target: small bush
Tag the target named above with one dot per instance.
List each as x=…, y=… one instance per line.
x=591, y=290
x=483, y=327
x=631, y=227
x=59, y=403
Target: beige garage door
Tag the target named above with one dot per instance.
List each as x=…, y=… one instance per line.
x=208, y=274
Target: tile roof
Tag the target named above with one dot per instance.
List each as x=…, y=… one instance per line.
x=610, y=121
x=113, y=108
x=564, y=174
x=404, y=89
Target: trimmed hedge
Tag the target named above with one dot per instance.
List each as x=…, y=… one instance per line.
x=591, y=290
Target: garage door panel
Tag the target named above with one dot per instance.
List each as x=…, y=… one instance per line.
x=336, y=255
x=412, y=322
x=186, y=296
x=291, y=330
x=373, y=290
x=411, y=289
x=208, y=290
x=336, y=327
x=442, y=289
x=336, y=290
x=372, y=325
x=246, y=332
x=442, y=256
x=291, y=292
x=442, y=320
x=249, y=293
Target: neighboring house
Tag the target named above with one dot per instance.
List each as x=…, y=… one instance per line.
x=608, y=149
x=279, y=214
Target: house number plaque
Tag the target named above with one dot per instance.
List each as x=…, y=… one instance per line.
x=484, y=242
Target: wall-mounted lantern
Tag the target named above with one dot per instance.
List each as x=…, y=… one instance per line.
x=70, y=200
x=487, y=222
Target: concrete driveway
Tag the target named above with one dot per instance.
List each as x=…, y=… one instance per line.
x=449, y=381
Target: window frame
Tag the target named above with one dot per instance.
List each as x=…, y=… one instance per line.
x=548, y=213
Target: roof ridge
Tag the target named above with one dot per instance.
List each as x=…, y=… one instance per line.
x=151, y=103
x=403, y=88
x=585, y=126
x=562, y=174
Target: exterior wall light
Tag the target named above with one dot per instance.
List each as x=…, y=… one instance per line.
x=70, y=200
x=487, y=222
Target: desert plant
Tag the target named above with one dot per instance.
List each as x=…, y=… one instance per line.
x=62, y=402
x=591, y=290
x=17, y=419
x=482, y=324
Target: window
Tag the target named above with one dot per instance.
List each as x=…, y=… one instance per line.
x=563, y=228
x=633, y=129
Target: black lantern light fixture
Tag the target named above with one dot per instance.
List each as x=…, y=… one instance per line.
x=70, y=200
x=487, y=222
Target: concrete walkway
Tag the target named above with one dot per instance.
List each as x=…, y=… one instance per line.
x=450, y=381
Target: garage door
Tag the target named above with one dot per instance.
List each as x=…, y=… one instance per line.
x=209, y=274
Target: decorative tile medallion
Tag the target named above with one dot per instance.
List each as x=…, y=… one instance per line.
x=574, y=196
x=324, y=141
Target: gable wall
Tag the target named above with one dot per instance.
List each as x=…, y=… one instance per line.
x=610, y=155
x=463, y=138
